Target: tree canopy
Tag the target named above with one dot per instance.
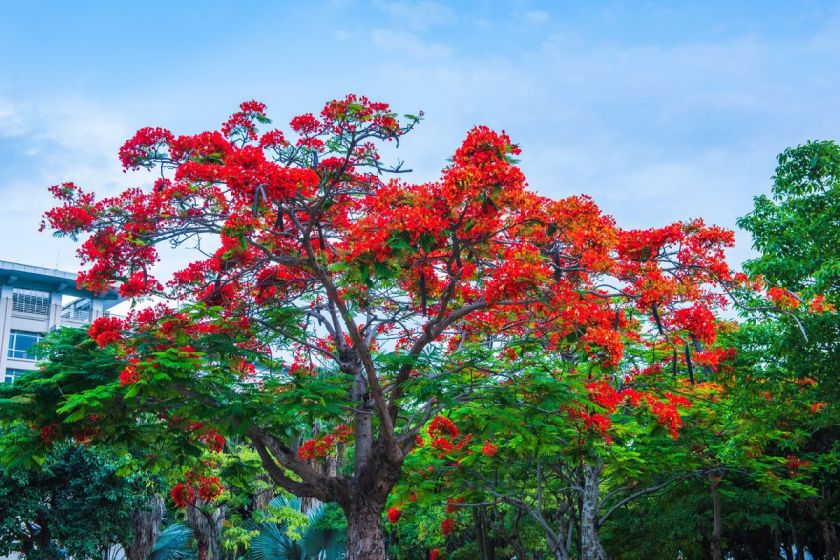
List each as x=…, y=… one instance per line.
x=356, y=329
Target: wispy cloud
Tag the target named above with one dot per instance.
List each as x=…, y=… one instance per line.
x=420, y=15
x=656, y=123
x=410, y=44
x=536, y=17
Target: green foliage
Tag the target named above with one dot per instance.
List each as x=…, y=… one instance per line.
x=75, y=504
x=173, y=543
x=796, y=231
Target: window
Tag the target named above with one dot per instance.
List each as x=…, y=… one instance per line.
x=20, y=343
x=31, y=301
x=11, y=374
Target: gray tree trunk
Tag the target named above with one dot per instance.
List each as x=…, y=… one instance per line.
x=145, y=528
x=207, y=528
x=717, y=522
x=590, y=540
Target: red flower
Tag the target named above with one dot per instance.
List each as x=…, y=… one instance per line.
x=452, y=504
x=213, y=440
x=393, y=515
x=441, y=426
x=49, y=433
x=317, y=448
x=182, y=494
x=489, y=450
x=447, y=526
x=697, y=320
x=817, y=406
x=343, y=433
x=443, y=445
x=209, y=488
x=139, y=284
x=129, y=374
x=106, y=330
x=147, y=143
x=435, y=554
x=784, y=299
x=819, y=305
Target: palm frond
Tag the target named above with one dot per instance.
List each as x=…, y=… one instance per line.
x=173, y=543
x=273, y=544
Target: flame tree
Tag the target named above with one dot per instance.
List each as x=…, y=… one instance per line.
x=333, y=309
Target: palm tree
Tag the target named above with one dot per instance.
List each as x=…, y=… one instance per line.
x=173, y=543
x=317, y=541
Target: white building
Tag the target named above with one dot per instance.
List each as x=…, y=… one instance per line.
x=35, y=301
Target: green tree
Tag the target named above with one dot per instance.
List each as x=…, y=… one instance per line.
x=797, y=233
x=75, y=505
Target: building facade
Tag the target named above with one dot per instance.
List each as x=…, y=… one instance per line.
x=35, y=301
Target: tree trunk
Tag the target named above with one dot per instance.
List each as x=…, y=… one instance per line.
x=717, y=524
x=590, y=540
x=560, y=551
x=480, y=532
x=364, y=532
x=207, y=529
x=145, y=527
x=829, y=534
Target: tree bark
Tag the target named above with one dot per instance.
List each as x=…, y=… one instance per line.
x=590, y=540
x=364, y=532
x=484, y=550
x=717, y=524
x=829, y=534
x=145, y=527
x=207, y=529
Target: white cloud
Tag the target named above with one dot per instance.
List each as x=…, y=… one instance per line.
x=53, y=141
x=418, y=15
x=536, y=17
x=11, y=122
x=654, y=131
x=408, y=43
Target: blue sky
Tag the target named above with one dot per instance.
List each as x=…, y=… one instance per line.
x=660, y=111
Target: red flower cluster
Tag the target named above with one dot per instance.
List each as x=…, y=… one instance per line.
x=794, y=463
x=714, y=357
x=49, y=433
x=242, y=123
x=139, y=283
x=447, y=526
x=393, y=515
x=604, y=395
x=129, y=374
x=443, y=427
x=343, y=433
x=106, y=330
x=452, y=504
x=316, y=448
x=182, y=494
x=145, y=145
x=667, y=414
x=214, y=441
x=604, y=343
x=209, y=488
x=489, y=450
x=697, y=320
x=320, y=448
x=819, y=305
x=783, y=299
